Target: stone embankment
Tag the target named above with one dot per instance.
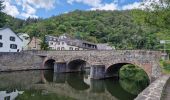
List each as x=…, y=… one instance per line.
x=19, y=61
x=154, y=90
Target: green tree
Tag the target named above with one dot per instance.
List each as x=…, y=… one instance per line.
x=44, y=45
x=2, y=15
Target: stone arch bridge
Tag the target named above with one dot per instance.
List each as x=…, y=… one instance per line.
x=101, y=63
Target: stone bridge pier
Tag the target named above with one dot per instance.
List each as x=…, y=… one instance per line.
x=102, y=64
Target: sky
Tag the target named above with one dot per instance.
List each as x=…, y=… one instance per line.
x=47, y=8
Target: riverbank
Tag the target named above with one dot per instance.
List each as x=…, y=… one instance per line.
x=165, y=65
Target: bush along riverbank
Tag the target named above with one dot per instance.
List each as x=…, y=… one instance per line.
x=165, y=65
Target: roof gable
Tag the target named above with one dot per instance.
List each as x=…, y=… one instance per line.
x=7, y=28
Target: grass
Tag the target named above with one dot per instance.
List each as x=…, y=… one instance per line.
x=165, y=65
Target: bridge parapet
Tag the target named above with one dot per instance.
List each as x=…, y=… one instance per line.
x=154, y=90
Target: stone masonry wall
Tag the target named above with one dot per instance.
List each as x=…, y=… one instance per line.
x=148, y=60
x=154, y=90
x=19, y=61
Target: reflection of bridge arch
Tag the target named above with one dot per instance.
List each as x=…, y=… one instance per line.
x=76, y=81
x=114, y=88
x=113, y=69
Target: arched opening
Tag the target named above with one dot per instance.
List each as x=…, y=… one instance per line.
x=49, y=64
x=132, y=78
x=77, y=65
x=113, y=70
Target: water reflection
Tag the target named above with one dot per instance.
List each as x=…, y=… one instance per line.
x=76, y=81
x=9, y=95
x=75, y=85
x=132, y=87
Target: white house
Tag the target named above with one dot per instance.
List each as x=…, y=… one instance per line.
x=64, y=42
x=9, y=41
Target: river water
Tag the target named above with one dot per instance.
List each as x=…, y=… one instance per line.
x=46, y=85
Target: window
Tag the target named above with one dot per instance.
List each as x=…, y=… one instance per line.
x=1, y=44
x=70, y=48
x=0, y=37
x=58, y=43
x=76, y=48
x=62, y=48
x=62, y=43
x=13, y=46
x=12, y=38
x=58, y=48
x=7, y=98
x=51, y=43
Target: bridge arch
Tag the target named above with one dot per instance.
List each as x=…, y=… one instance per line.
x=77, y=64
x=49, y=63
x=113, y=69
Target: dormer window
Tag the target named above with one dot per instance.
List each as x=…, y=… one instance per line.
x=0, y=37
x=12, y=38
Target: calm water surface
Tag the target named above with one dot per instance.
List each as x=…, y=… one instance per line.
x=46, y=85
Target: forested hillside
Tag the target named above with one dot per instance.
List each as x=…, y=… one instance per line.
x=130, y=29
x=123, y=29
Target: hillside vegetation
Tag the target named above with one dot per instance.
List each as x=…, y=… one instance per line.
x=130, y=29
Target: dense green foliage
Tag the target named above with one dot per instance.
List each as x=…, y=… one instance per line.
x=123, y=29
x=131, y=29
x=2, y=17
x=165, y=66
x=44, y=45
x=133, y=79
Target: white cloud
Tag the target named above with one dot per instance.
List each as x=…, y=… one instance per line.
x=93, y=3
x=29, y=7
x=135, y=5
x=10, y=9
x=111, y=6
x=146, y=4
x=47, y=4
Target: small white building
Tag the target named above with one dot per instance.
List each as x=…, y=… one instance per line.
x=104, y=46
x=9, y=41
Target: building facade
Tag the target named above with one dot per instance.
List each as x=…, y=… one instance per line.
x=26, y=40
x=65, y=42
x=104, y=46
x=9, y=41
x=34, y=44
